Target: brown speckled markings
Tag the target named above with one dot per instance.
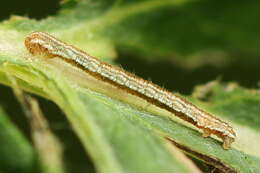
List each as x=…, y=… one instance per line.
x=43, y=43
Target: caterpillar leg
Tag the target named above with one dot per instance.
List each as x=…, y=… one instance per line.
x=206, y=133
x=227, y=142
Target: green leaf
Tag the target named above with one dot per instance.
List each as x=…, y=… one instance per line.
x=123, y=133
x=113, y=148
x=94, y=116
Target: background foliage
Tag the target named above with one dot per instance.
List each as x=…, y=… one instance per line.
x=207, y=50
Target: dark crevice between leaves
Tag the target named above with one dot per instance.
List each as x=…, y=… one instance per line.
x=12, y=108
x=74, y=154
x=30, y=8
x=50, y=152
x=214, y=170
x=210, y=160
x=201, y=165
x=244, y=71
